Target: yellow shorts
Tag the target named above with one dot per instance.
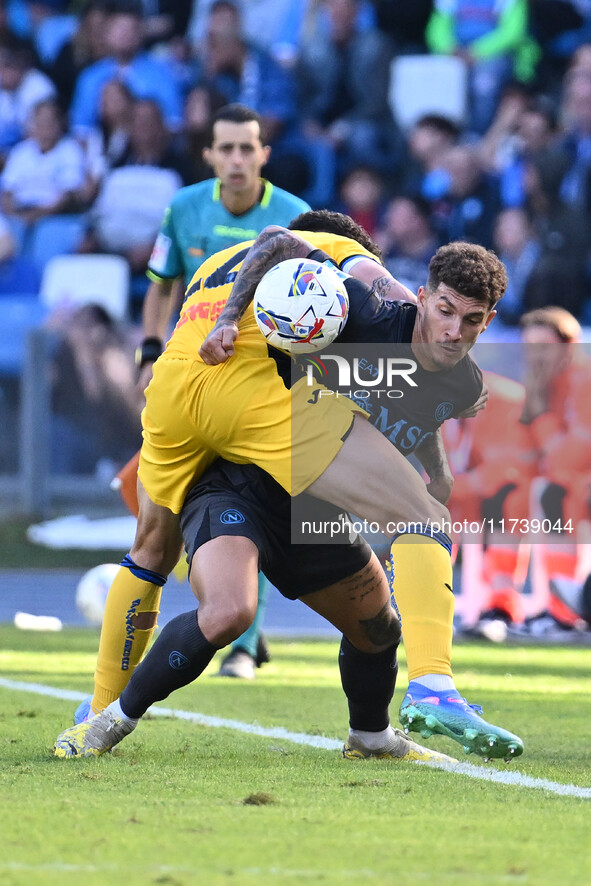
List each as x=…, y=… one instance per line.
x=239, y=410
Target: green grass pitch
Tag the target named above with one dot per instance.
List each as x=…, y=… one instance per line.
x=184, y=804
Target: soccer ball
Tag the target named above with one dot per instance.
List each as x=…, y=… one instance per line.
x=301, y=305
x=92, y=590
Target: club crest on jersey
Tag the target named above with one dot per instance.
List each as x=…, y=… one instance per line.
x=232, y=517
x=443, y=411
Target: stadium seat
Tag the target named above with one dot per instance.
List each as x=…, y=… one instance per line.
x=18, y=276
x=70, y=280
x=54, y=235
x=20, y=314
x=428, y=84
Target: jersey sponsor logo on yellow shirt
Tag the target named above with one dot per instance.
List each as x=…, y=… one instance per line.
x=205, y=310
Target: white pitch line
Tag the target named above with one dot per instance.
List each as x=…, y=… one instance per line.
x=498, y=776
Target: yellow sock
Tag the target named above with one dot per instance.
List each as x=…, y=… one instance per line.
x=423, y=595
x=122, y=645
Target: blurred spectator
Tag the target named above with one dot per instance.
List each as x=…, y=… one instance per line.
x=247, y=75
x=49, y=26
x=557, y=410
x=8, y=33
x=564, y=235
x=126, y=215
x=427, y=141
x=86, y=46
x=576, y=119
x=407, y=240
x=361, y=197
x=200, y=106
x=470, y=201
x=559, y=27
x=557, y=415
x=272, y=25
x=166, y=20
x=523, y=126
x=44, y=174
x=581, y=59
x=494, y=465
x=491, y=37
x=94, y=401
x=150, y=143
x=491, y=456
x=105, y=146
x=243, y=73
x=145, y=76
x=518, y=248
x=22, y=86
x=114, y=121
x=405, y=22
x=344, y=77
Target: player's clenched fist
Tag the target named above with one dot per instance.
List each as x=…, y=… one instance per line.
x=219, y=344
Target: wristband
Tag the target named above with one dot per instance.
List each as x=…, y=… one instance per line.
x=149, y=350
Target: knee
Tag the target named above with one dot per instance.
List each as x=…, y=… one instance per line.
x=227, y=621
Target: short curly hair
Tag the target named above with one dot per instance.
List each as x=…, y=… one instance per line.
x=326, y=221
x=471, y=270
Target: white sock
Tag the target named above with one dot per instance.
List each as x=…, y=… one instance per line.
x=437, y=682
x=372, y=740
x=115, y=709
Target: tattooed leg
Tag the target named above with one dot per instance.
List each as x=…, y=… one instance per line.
x=359, y=606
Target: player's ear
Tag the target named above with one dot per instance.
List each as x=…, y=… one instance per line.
x=266, y=153
x=421, y=296
x=206, y=154
x=489, y=318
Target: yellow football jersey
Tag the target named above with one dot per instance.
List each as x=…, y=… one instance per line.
x=240, y=410
x=211, y=287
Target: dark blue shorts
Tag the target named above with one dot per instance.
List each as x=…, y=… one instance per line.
x=242, y=500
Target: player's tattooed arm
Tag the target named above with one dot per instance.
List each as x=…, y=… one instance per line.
x=273, y=245
x=381, y=281
x=390, y=289
x=433, y=458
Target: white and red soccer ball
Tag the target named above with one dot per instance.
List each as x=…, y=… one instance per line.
x=301, y=305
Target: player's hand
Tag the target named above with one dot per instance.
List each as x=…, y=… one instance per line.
x=219, y=344
x=471, y=411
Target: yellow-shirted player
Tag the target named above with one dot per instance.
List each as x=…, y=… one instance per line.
x=135, y=593
x=196, y=413
x=209, y=413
